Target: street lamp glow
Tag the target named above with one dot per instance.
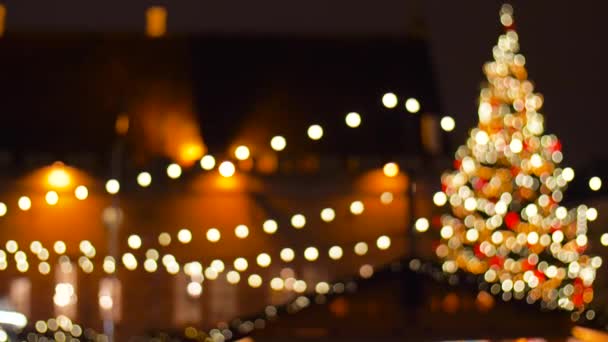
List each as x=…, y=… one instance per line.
x=81, y=192
x=447, y=123
x=51, y=197
x=207, y=162
x=353, y=120
x=144, y=179
x=227, y=169
x=24, y=203
x=58, y=177
x=278, y=143
x=412, y=105
x=242, y=152
x=112, y=186
x=595, y=183
x=389, y=100
x=174, y=171
x=315, y=132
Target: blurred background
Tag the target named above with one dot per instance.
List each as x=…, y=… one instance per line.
x=279, y=151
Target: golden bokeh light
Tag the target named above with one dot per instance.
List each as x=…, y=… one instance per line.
x=311, y=253
x=59, y=247
x=328, y=214
x=412, y=105
x=353, y=120
x=174, y=171
x=164, y=239
x=134, y=241
x=361, y=248
x=389, y=100
x=422, y=224
x=391, y=169
x=213, y=235
x=207, y=162
x=24, y=203
x=270, y=226
x=227, y=169
x=242, y=152
x=386, y=197
x=298, y=221
x=287, y=254
x=3, y=209
x=240, y=264
x=263, y=260
x=144, y=179
x=595, y=183
x=383, y=242
x=277, y=284
x=254, y=281
x=184, y=235
x=447, y=123
x=278, y=143
x=233, y=277
x=335, y=252
x=315, y=132
x=440, y=198
x=81, y=192
x=357, y=208
x=51, y=197
x=241, y=231
x=112, y=186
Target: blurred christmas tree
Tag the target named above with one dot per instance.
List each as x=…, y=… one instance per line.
x=507, y=223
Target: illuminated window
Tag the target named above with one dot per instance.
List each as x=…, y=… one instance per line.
x=110, y=299
x=65, y=295
x=187, y=307
x=20, y=295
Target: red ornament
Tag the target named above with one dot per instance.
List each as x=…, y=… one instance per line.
x=557, y=146
x=496, y=261
x=436, y=221
x=457, y=164
x=511, y=220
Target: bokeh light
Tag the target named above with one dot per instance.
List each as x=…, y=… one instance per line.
x=389, y=100
x=242, y=152
x=412, y=105
x=391, y=169
x=353, y=120
x=278, y=143
x=227, y=169
x=315, y=132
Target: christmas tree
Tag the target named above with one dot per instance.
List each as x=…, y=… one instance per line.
x=506, y=222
